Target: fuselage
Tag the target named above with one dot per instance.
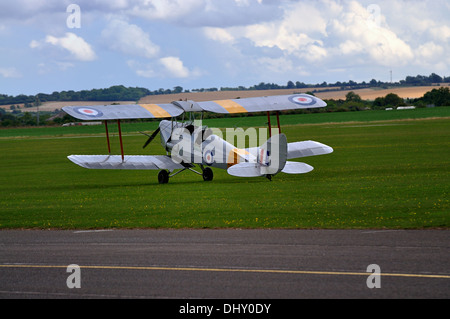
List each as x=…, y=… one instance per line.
x=192, y=144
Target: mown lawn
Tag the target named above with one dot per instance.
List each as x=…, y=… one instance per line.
x=383, y=174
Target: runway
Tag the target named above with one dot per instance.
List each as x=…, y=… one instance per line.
x=225, y=264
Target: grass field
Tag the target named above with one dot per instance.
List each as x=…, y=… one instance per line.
x=389, y=170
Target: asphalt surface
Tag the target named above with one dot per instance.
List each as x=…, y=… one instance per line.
x=225, y=264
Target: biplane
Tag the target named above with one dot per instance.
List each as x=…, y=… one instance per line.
x=188, y=145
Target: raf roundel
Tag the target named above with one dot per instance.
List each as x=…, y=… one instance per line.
x=89, y=111
x=303, y=100
x=209, y=157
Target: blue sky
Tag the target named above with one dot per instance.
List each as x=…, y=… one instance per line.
x=213, y=43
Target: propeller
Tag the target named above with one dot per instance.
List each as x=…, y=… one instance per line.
x=150, y=137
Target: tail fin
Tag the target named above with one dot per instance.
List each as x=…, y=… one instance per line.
x=273, y=155
x=271, y=158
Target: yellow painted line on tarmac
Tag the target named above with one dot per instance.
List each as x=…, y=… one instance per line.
x=241, y=270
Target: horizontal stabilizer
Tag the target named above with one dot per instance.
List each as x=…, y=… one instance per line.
x=245, y=170
x=129, y=162
x=297, y=168
x=307, y=148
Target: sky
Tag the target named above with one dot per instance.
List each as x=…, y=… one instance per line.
x=56, y=45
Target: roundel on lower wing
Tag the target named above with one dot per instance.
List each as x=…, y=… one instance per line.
x=89, y=111
x=302, y=99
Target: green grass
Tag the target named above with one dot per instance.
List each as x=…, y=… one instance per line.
x=384, y=174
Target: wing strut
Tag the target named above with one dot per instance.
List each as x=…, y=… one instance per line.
x=120, y=138
x=270, y=125
x=278, y=121
x=107, y=137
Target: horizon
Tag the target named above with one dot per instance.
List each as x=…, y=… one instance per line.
x=250, y=88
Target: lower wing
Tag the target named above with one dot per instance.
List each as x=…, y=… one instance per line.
x=130, y=162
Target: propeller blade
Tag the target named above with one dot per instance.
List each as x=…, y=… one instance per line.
x=150, y=137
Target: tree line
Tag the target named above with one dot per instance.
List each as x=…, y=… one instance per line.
x=352, y=102
x=114, y=93
x=122, y=93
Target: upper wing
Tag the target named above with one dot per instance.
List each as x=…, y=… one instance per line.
x=174, y=109
x=263, y=104
x=130, y=111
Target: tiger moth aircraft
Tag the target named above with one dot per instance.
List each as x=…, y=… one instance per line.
x=188, y=145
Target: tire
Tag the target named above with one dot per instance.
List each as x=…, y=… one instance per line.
x=207, y=174
x=163, y=177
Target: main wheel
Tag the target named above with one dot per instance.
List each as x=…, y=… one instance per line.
x=163, y=177
x=207, y=174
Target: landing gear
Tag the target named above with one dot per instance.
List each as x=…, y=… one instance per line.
x=207, y=174
x=163, y=177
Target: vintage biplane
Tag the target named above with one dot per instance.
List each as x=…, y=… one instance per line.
x=188, y=145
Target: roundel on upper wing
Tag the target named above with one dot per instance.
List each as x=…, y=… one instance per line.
x=302, y=99
x=89, y=111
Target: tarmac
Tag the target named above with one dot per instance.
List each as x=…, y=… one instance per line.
x=225, y=264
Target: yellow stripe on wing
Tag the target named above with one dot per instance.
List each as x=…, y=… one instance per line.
x=156, y=110
x=231, y=106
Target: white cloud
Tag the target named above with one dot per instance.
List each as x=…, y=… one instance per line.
x=166, y=67
x=129, y=39
x=441, y=33
x=10, y=72
x=298, y=31
x=359, y=34
x=35, y=44
x=78, y=48
x=165, y=9
x=430, y=50
x=218, y=34
x=3, y=29
x=326, y=31
x=175, y=67
x=144, y=70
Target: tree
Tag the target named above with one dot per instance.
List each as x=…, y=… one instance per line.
x=379, y=103
x=177, y=89
x=352, y=97
x=434, y=78
x=438, y=97
x=300, y=85
x=393, y=100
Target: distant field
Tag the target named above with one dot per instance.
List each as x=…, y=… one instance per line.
x=366, y=94
x=57, y=105
x=390, y=170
